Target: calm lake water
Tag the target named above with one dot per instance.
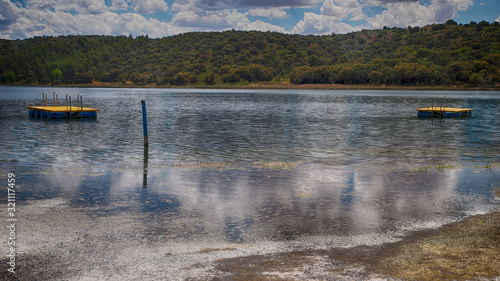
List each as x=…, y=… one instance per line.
x=331, y=127
x=245, y=171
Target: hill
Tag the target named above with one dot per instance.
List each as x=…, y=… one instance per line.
x=439, y=54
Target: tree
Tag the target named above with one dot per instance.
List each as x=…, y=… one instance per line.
x=231, y=76
x=451, y=22
x=476, y=79
x=301, y=75
x=376, y=77
x=209, y=79
x=435, y=54
x=11, y=77
x=56, y=76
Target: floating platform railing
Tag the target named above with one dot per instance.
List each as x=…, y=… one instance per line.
x=56, y=111
x=442, y=111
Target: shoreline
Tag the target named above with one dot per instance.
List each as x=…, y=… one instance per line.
x=272, y=86
x=63, y=238
x=463, y=250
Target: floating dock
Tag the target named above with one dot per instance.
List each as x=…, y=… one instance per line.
x=443, y=111
x=64, y=111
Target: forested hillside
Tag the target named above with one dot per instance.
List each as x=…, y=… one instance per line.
x=441, y=54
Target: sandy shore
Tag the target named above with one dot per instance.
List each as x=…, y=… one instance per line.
x=464, y=250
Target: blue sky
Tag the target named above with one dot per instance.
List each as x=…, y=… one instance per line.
x=159, y=18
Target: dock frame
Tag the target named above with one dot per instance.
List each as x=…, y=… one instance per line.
x=442, y=110
x=60, y=112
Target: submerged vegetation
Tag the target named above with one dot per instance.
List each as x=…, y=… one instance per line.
x=433, y=55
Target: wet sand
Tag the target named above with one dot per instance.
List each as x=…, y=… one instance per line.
x=63, y=239
x=459, y=251
x=465, y=250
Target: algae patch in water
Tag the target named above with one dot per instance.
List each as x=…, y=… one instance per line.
x=439, y=168
x=211, y=250
x=277, y=165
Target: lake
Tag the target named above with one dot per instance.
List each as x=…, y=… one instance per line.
x=332, y=127
x=233, y=173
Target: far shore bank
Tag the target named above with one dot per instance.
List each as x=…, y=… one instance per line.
x=273, y=86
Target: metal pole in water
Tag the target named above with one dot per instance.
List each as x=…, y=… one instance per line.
x=146, y=145
x=79, y=104
x=144, y=123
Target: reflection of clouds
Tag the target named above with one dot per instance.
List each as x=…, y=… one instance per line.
x=391, y=197
x=247, y=203
x=191, y=217
x=260, y=203
x=124, y=181
x=66, y=178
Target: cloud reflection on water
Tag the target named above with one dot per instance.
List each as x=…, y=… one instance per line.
x=255, y=202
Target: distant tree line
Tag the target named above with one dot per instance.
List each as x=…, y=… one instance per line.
x=438, y=54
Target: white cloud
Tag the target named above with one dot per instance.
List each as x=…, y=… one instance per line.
x=341, y=9
x=264, y=26
x=272, y=13
x=333, y=12
x=81, y=6
x=188, y=14
x=135, y=24
x=149, y=6
x=8, y=14
x=119, y=5
x=498, y=19
x=40, y=4
x=63, y=17
x=214, y=5
x=415, y=14
x=321, y=25
x=192, y=15
x=32, y=22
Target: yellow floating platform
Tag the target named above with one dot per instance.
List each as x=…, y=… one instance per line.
x=63, y=109
x=66, y=111
x=444, y=112
x=440, y=110
x=54, y=112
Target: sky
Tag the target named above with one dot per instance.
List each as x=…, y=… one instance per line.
x=20, y=19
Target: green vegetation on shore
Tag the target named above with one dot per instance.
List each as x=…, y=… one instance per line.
x=449, y=54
